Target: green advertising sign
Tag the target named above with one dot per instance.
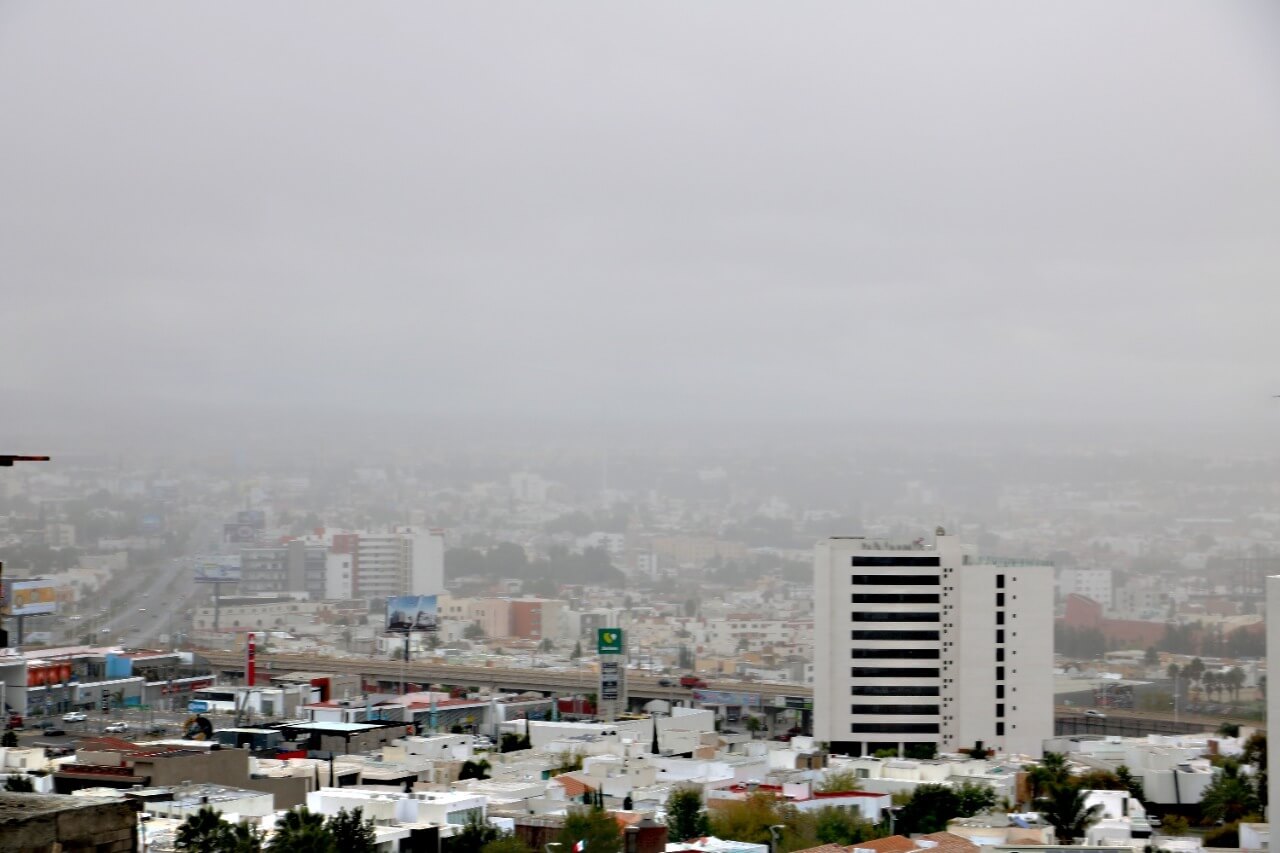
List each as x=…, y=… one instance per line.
x=609, y=641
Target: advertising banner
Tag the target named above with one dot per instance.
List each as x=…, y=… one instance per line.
x=209, y=571
x=725, y=697
x=412, y=613
x=31, y=597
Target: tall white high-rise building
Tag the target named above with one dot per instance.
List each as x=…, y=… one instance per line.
x=920, y=648
x=402, y=561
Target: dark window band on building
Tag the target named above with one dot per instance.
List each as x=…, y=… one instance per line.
x=892, y=710
x=894, y=671
x=881, y=616
x=896, y=561
x=895, y=598
x=897, y=654
x=894, y=690
x=895, y=635
x=886, y=728
x=895, y=580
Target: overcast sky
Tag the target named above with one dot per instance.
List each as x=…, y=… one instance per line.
x=648, y=211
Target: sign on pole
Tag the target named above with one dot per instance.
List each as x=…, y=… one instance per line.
x=609, y=641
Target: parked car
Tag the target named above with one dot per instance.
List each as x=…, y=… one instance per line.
x=74, y=717
x=117, y=727
x=666, y=682
x=157, y=729
x=1098, y=715
x=55, y=733
x=15, y=721
x=691, y=681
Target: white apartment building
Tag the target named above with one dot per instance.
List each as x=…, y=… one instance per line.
x=1273, y=688
x=402, y=561
x=919, y=647
x=1091, y=583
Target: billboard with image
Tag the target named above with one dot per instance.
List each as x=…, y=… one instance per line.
x=218, y=571
x=412, y=613
x=31, y=597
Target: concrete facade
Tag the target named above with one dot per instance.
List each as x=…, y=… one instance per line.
x=922, y=647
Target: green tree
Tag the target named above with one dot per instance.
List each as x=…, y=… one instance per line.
x=474, y=835
x=1226, y=729
x=511, y=742
x=351, y=832
x=686, y=817
x=1175, y=825
x=753, y=724
x=746, y=820
x=577, y=651
x=473, y=632
x=19, y=783
x=974, y=798
x=203, y=831
x=1229, y=797
x=595, y=827
x=474, y=769
x=568, y=761
x=9, y=739
x=843, y=826
x=1052, y=770
x=1151, y=657
x=1130, y=783
x=506, y=844
x=244, y=839
x=302, y=831
x=1063, y=806
x=838, y=780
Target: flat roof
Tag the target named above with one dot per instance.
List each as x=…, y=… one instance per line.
x=343, y=728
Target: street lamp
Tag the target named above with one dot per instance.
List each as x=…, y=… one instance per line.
x=775, y=836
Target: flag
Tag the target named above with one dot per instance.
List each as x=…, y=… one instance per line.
x=579, y=847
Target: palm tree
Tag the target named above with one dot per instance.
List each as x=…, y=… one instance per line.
x=302, y=831
x=204, y=830
x=1051, y=771
x=1064, y=807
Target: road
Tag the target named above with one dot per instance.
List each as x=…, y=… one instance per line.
x=154, y=595
x=529, y=678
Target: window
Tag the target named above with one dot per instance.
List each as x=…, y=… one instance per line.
x=999, y=635
x=999, y=691
x=999, y=599
x=891, y=710
x=895, y=635
x=999, y=673
x=999, y=654
x=895, y=598
x=894, y=672
x=999, y=581
x=896, y=561
x=894, y=690
x=895, y=580
x=999, y=709
x=999, y=617
x=886, y=728
x=873, y=616
x=1000, y=729
x=903, y=654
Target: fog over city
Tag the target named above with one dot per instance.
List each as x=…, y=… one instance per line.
x=723, y=426
x=320, y=223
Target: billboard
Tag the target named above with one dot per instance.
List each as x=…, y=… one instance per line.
x=30, y=597
x=724, y=697
x=609, y=641
x=209, y=571
x=412, y=613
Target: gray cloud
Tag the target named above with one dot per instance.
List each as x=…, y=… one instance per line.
x=655, y=211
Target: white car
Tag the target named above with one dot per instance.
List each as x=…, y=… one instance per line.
x=74, y=717
x=1097, y=715
x=117, y=727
